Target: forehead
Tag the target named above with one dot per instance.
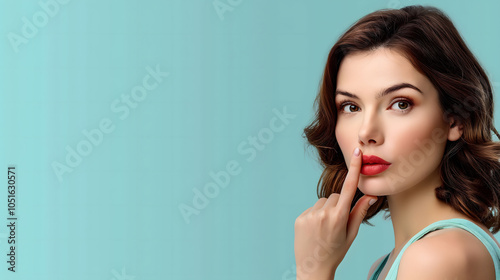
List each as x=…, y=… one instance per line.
x=370, y=71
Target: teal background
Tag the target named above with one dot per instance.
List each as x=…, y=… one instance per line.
x=117, y=213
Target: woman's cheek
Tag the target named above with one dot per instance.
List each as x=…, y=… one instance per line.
x=344, y=139
x=415, y=144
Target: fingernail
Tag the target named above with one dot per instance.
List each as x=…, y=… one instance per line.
x=372, y=201
x=356, y=152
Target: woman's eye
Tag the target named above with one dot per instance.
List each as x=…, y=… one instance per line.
x=349, y=108
x=401, y=105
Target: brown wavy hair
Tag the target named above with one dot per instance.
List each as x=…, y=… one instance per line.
x=470, y=168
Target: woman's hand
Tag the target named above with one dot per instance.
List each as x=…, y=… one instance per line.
x=324, y=232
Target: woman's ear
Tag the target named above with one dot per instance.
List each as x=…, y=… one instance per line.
x=456, y=130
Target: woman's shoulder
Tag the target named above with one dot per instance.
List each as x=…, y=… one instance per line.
x=448, y=253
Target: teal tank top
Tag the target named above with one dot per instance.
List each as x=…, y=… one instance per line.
x=489, y=242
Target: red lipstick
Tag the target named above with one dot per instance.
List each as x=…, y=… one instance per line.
x=373, y=165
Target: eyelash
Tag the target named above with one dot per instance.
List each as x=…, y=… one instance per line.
x=346, y=102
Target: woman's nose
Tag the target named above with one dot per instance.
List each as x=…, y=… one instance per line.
x=370, y=131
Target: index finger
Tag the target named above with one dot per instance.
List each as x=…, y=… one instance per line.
x=351, y=181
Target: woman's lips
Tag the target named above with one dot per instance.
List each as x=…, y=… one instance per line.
x=373, y=169
x=373, y=165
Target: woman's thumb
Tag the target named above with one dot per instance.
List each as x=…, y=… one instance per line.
x=357, y=215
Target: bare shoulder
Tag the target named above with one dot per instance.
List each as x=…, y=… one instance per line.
x=450, y=253
x=374, y=266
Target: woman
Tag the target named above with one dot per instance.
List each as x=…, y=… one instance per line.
x=405, y=114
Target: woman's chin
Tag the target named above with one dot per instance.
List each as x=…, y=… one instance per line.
x=371, y=188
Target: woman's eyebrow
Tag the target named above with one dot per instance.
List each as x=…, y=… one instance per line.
x=382, y=93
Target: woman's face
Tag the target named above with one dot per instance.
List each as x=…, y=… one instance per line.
x=390, y=110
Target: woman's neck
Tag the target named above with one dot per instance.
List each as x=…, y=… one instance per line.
x=414, y=209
